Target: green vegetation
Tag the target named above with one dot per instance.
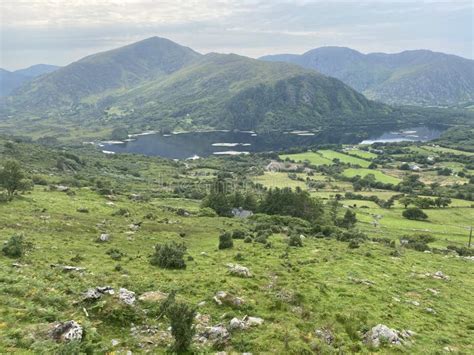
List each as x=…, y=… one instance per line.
x=330, y=265
x=378, y=175
x=417, y=77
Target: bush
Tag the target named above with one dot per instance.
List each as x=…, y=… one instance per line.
x=169, y=256
x=353, y=244
x=414, y=213
x=261, y=239
x=248, y=239
x=16, y=247
x=295, y=241
x=181, y=317
x=461, y=251
x=238, y=234
x=225, y=241
x=114, y=253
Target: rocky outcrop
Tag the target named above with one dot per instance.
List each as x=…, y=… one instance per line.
x=67, y=331
x=239, y=270
x=381, y=333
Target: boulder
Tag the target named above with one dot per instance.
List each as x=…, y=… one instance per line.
x=325, y=334
x=225, y=298
x=239, y=270
x=153, y=296
x=98, y=292
x=381, y=333
x=67, y=331
x=126, y=296
x=440, y=276
x=253, y=321
x=104, y=237
x=237, y=324
x=68, y=268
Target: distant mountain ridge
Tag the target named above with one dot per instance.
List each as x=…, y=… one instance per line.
x=156, y=84
x=416, y=77
x=9, y=81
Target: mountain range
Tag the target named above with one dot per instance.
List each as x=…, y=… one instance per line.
x=10, y=80
x=159, y=84
x=416, y=77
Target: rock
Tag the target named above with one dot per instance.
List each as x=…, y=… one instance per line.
x=239, y=270
x=182, y=212
x=82, y=210
x=225, y=298
x=253, y=321
x=237, y=324
x=67, y=331
x=325, y=334
x=217, y=333
x=110, y=203
x=153, y=296
x=115, y=342
x=361, y=281
x=68, y=268
x=134, y=227
x=415, y=303
x=433, y=291
x=201, y=304
x=61, y=188
x=98, y=292
x=440, y=276
x=430, y=310
x=18, y=265
x=103, y=238
x=126, y=296
x=381, y=333
x=202, y=321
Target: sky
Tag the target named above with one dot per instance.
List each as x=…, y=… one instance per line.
x=62, y=31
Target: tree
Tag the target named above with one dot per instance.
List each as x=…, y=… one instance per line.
x=406, y=201
x=219, y=202
x=442, y=202
x=12, y=178
x=414, y=213
x=423, y=202
x=349, y=220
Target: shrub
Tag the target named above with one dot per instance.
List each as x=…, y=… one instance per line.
x=351, y=235
x=461, y=251
x=414, y=213
x=261, y=239
x=238, y=234
x=248, y=239
x=169, y=256
x=181, y=317
x=121, y=212
x=295, y=241
x=16, y=247
x=225, y=241
x=114, y=253
x=353, y=244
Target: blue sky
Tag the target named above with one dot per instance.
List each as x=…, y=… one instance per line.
x=61, y=31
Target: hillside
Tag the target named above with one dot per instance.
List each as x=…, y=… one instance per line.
x=156, y=84
x=97, y=74
x=230, y=91
x=9, y=81
x=418, y=77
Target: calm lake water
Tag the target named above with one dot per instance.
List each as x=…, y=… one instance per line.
x=201, y=144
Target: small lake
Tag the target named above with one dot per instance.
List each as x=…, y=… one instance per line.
x=202, y=144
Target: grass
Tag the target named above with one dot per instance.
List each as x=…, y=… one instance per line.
x=344, y=158
x=361, y=154
x=379, y=176
x=279, y=179
x=37, y=294
x=314, y=158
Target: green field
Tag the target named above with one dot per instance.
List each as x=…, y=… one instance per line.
x=361, y=154
x=330, y=154
x=314, y=158
x=379, y=176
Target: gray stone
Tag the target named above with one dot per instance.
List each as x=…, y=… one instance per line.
x=104, y=237
x=239, y=270
x=325, y=334
x=67, y=331
x=237, y=324
x=225, y=298
x=126, y=296
x=381, y=333
x=98, y=292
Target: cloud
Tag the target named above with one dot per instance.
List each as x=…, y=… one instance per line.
x=60, y=31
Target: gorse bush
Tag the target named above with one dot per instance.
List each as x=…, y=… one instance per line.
x=169, y=256
x=181, y=317
x=295, y=241
x=238, y=234
x=225, y=241
x=16, y=247
x=414, y=213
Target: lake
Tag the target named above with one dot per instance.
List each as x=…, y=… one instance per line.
x=202, y=144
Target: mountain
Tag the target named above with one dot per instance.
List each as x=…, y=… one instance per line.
x=418, y=77
x=37, y=70
x=231, y=91
x=9, y=81
x=158, y=84
x=104, y=72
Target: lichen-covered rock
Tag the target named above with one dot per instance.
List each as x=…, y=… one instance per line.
x=239, y=270
x=225, y=298
x=381, y=333
x=67, y=331
x=98, y=292
x=126, y=296
x=237, y=324
x=253, y=321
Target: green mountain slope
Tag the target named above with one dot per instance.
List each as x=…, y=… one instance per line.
x=418, y=77
x=235, y=92
x=11, y=80
x=120, y=68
